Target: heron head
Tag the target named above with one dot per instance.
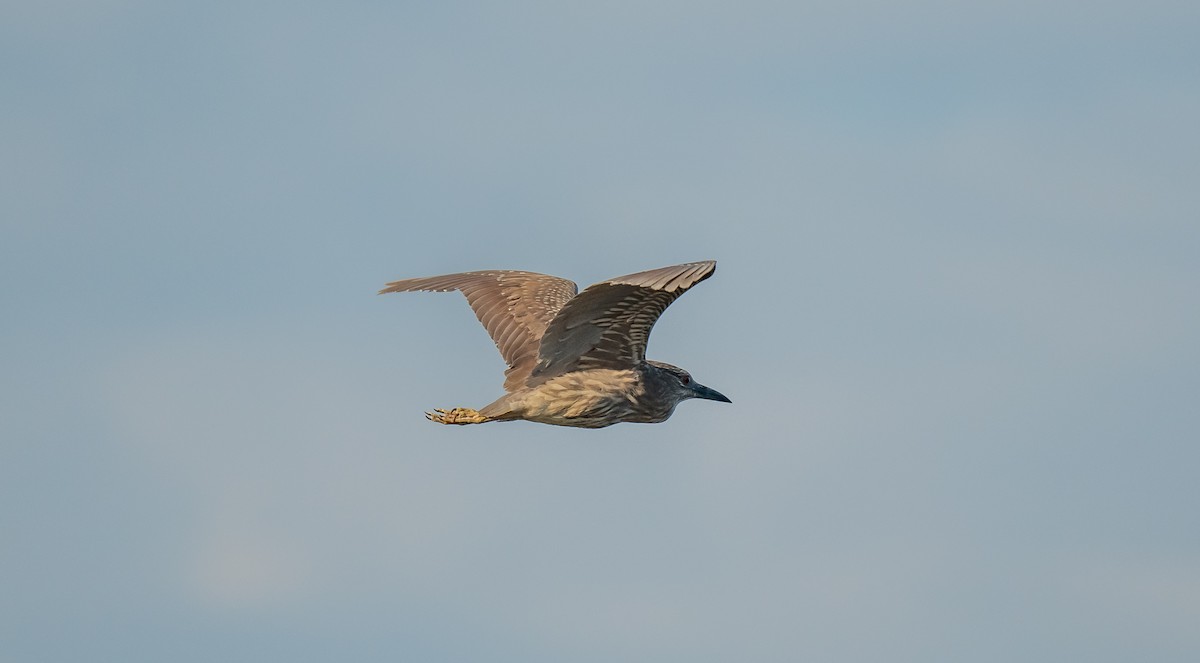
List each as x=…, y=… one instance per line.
x=680, y=383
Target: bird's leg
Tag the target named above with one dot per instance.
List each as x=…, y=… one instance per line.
x=458, y=415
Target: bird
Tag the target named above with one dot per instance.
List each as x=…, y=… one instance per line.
x=574, y=358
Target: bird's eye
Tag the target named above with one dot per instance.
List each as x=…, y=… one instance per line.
x=686, y=380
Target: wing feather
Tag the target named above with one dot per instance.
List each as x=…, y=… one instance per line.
x=514, y=307
x=608, y=324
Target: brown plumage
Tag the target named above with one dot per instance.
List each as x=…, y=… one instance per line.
x=574, y=359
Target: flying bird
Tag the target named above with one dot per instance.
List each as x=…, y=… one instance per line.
x=574, y=358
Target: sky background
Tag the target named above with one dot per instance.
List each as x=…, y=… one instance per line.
x=956, y=311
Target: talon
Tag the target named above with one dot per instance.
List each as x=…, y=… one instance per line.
x=458, y=415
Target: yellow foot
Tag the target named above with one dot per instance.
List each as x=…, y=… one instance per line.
x=459, y=415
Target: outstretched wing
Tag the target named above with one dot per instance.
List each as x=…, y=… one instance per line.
x=514, y=307
x=607, y=325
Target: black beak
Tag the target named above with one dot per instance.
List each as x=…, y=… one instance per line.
x=711, y=394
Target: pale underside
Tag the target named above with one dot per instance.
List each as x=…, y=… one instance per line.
x=585, y=399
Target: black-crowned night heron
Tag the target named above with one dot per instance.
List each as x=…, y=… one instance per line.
x=575, y=359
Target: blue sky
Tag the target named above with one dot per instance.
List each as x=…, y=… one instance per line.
x=955, y=310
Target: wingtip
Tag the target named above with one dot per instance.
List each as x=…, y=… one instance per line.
x=675, y=277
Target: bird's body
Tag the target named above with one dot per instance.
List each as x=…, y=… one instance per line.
x=575, y=359
x=585, y=399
